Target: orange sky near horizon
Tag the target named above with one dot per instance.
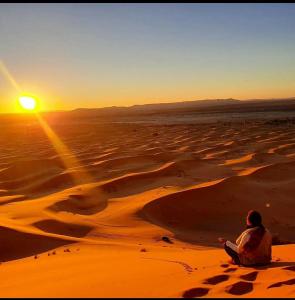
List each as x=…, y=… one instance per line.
x=49, y=104
x=122, y=55
x=51, y=100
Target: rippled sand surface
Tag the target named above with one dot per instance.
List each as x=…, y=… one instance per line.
x=84, y=210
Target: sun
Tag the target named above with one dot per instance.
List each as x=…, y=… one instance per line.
x=28, y=103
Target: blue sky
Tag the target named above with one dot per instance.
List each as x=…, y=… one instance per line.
x=94, y=55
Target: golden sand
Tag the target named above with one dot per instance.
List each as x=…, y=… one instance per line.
x=102, y=237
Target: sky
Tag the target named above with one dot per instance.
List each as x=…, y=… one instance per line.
x=95, y=55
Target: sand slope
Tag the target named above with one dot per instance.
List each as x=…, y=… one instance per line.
x=101, y=236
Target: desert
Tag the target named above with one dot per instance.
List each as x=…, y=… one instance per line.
x=135, y=209
x=147, y=150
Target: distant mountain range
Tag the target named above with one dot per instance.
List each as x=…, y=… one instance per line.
x=178, y=108
x=210, y=105
x=162, y=106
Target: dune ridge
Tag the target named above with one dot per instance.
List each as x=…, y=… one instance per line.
x=189, y=183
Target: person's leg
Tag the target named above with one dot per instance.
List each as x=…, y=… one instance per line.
x=232, y=253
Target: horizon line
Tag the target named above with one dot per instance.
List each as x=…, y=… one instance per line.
x=146, y=104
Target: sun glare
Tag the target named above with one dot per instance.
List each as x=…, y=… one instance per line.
x=28, y=103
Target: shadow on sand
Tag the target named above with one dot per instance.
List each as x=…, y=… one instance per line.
x=277, y=264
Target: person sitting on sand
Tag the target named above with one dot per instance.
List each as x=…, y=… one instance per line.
x=253, y=246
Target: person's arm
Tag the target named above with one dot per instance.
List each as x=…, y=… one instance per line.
x=242, y=240
x=228, y=243
x=231, y=245
x=238, y=240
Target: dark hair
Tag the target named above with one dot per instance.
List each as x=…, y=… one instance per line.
x=254, y=218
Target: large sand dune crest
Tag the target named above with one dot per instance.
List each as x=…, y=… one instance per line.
x=270, y=190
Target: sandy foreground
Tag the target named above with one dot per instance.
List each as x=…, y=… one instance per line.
x=84, y=210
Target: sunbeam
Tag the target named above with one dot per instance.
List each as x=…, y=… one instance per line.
x=79, y=174
x=28, y=103
x=8, y=76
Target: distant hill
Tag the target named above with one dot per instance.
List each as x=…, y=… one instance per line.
x=177, y=108
x=157, y=107
x=209, y=106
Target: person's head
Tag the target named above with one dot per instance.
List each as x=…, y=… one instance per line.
x=254, y=218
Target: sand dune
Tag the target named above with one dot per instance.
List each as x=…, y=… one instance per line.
x=270, y=190
x=83, y=204
x=189, y=183
x=25, y=168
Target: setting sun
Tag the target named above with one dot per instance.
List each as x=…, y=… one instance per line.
x=28, y=103
x=128, y=128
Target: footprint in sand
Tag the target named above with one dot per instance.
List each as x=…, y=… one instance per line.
x=195, y=292
x=239, y=288
x=224, y=265
x=167, y=239
x=286, y=282
x=229, y=270
x=250, y=276
x=290, y=268
x=216, y=279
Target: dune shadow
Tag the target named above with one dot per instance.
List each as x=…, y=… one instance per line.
x=62, y=228
x=81, y=204
x=16, y=244
x=185, y=213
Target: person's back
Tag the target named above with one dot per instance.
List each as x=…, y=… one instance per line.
x=253, y=246
x=261, y=254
